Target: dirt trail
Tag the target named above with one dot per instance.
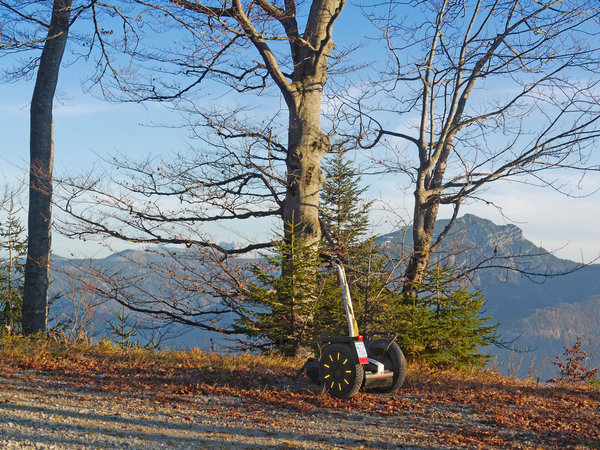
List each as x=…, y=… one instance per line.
x=82, y=403
x=39, y=412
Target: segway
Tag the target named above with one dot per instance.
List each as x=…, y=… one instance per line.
x=354, y=362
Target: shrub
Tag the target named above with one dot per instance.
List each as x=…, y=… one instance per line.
x=13, y=251
x=281, y=300
x=573, y=365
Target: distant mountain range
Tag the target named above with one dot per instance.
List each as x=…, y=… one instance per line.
x=542, y=301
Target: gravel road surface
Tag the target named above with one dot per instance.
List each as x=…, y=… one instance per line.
x=37, y=412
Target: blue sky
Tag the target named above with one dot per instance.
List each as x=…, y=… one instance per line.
x=86, y=128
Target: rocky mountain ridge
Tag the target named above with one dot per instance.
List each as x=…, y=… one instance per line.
x=542, y=301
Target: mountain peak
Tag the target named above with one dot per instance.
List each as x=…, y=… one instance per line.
x=469, y=231
x=486, y=234
x=473, y=239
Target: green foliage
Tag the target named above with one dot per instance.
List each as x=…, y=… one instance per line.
x=290, y=306
x=128, y=332
x=345, y=214
x=13, y=253
x=593, y=381
x=123, y=329
x=442, y=324
x=282, y=298
x=343, y=210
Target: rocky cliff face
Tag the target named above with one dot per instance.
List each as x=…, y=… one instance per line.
x=542, y=301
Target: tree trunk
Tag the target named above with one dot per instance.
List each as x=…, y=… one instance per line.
x=426, y=210
x=35, y=296
x=307, y=144
x=306, y=147
x=419, y=259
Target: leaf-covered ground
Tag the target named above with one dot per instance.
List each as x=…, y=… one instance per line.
x=445, y=408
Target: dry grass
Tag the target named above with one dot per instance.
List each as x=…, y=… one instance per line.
x=42, y=352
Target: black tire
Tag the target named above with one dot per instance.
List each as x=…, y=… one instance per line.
x=311, y=368
x=341, y=374
x=393, y=359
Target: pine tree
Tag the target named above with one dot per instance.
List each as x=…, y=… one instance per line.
x=13, y=251
x=345, y=214
x=343, y=210
x=281, y=300
x=289, y=306
x=442, y=324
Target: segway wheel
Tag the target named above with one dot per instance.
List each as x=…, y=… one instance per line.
x=393, y=359
x=341, y=373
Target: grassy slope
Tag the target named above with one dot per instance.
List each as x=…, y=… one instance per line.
x=559, y=416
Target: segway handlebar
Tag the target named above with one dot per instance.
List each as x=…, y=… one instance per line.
x=352, y=324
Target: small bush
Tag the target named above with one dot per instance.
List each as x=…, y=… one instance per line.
x=443, y=324
x=573, y=365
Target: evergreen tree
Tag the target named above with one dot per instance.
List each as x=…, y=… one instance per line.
x=442, y=324
x=343, y=210
x=289, y=306
x=281, y=300
x=13, y=251
x=345, y=215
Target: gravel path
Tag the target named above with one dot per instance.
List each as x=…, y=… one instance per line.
x=36, y=412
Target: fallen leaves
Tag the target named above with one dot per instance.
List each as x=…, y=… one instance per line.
x=476, y=410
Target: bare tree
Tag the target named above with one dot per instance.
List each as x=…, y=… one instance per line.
x=237, y=175
x=24, y=30
x=248, y=168
x=163, y=288
x=77, y=313
x=223, y=41
x=482, y=91
x=248, y=46
x=35, y=296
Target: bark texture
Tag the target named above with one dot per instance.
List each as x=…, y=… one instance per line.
x=35, y=296
x=307, y=144
x=302, y=90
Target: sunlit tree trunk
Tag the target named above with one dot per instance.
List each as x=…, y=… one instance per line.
x=35, y=297
x=306, y=147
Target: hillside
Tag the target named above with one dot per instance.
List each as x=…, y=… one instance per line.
x=502, y=251
x=543, y=313
x=80, y=396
